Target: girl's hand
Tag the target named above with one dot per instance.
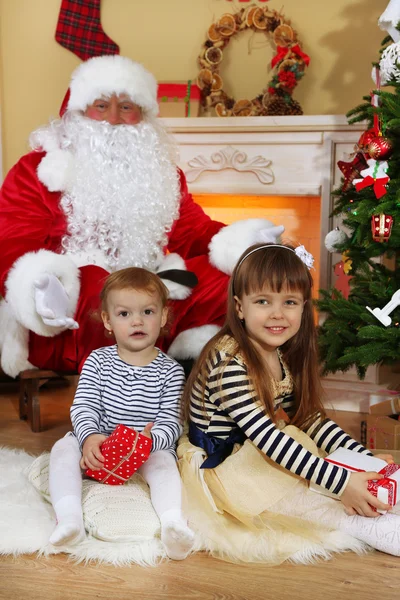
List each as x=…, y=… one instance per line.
x=146, y=430
x=92, y=457
x=356, y=497
x=387, y=457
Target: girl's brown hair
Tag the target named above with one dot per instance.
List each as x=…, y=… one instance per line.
x=134, y=278
x=276, y=268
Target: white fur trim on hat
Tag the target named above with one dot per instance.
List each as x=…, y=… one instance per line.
x=191, y=342
x=20, y=294
x=103, y=76
x=231, y=241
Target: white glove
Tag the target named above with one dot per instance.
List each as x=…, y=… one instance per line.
x=52, y=302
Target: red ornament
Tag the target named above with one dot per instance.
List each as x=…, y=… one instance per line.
x=351, y=170
x=380, y=148
x=381, y=227
x=365, y=139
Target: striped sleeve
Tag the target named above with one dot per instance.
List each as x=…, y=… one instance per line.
x=167, y=425
x=329, y=437
x=234, y=395
x=86, y=410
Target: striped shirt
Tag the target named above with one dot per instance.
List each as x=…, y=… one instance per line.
x=230, y=402
x=112, y=392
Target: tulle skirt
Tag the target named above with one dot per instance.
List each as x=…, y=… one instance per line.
x=248, y=509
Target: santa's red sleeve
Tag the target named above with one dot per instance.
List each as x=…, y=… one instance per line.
x=32, y=225
x=193, y=231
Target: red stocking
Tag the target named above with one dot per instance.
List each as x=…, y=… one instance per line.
x=79, y=29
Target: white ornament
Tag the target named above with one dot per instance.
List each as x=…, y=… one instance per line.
x=378, y=174
x=382, y=314
x=390, y=18
x=389, y=63
x=335, y=238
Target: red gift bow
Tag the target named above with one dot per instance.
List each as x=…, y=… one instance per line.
x=378, y=185
x=283, y=50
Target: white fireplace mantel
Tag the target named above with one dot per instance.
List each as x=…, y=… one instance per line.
x=291, y=156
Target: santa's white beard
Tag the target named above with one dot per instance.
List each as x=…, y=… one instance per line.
x=123, y=194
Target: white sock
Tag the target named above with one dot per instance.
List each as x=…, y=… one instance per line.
x=176, y=536
x=69, y=529
x=382, y=533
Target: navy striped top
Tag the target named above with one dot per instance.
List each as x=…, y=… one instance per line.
x=111, y=391
x=230, y=402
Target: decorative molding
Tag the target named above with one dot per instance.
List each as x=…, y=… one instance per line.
x=230, y=158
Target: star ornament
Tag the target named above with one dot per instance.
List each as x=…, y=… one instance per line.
x=352, y=169
x=375, y=175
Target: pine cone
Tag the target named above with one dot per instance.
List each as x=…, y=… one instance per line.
x=276, y=106
x=294, y=108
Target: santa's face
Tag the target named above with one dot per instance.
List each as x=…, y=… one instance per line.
x=116, y=110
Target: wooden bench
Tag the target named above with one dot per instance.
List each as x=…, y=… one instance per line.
x=29, y=388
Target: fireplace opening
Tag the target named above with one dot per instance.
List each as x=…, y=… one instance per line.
x=300, y=215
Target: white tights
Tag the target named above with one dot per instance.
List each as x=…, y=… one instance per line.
x=160, y=473
x=382, y=533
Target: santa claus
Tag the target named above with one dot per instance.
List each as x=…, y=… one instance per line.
x=100, y=191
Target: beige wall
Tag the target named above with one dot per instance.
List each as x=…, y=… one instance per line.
x=341, y=37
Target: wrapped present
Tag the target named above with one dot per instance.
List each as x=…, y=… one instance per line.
x=386, y=489
x=381, y=227
x=383, y=432
x=125, y=450
x=386, y=402
x=178, y=99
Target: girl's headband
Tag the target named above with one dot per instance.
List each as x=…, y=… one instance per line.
x=305, y=257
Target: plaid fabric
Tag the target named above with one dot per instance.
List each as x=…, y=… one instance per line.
x=79, y=29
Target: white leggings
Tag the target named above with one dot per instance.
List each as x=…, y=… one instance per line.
x=382, y=533
x=160, y=472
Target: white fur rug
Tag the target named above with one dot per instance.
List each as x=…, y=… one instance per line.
x=27, y=520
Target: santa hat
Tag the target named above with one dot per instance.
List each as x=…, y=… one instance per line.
x=107, y=75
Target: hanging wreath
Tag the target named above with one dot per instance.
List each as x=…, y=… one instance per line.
x=288, y=65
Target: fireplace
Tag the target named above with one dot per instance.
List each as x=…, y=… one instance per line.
x=283, y=169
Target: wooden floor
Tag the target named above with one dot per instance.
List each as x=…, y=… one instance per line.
x=346, y=576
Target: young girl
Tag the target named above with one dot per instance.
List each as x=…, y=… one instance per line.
x=258, y=432
x=135, y=384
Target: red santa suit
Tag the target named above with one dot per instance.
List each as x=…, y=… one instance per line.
x=33, y=225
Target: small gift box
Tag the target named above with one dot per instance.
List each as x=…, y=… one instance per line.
x=178, y=99
x=384, y=402
x=125, y=450
x=381, y=226
x=385, y=489
x=383, y=432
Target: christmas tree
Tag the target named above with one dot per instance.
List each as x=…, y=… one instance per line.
x=368, y=201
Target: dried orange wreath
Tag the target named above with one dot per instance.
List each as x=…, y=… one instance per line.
x=288, y=65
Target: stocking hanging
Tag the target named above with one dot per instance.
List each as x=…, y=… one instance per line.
x=79, y=29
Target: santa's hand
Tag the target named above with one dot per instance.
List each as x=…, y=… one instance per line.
x=51, y=301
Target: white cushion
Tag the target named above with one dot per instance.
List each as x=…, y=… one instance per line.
x=110, y=512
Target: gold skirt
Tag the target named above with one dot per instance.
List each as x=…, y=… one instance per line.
x=234, y=508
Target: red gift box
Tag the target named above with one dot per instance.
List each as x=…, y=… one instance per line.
x=125, y=450
x=178, y=99
x=381, y=227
